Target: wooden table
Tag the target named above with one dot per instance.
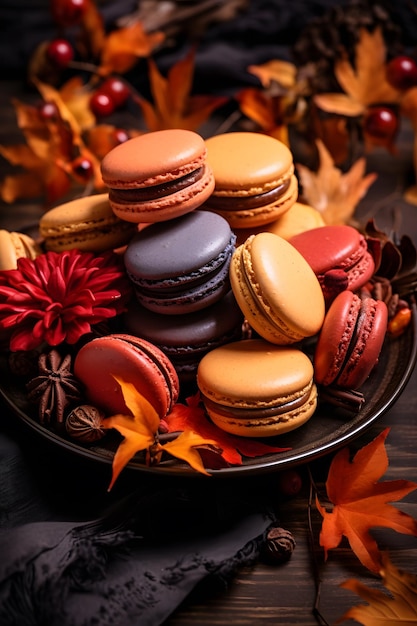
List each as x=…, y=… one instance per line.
x=285, y=594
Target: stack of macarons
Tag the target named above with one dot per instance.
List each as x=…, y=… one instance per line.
x=178, y=260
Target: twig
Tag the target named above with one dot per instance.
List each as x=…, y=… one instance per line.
x=316, y=571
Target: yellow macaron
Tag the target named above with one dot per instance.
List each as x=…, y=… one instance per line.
x=252, y=388
x=13, y=246
x=86, y=224
x=276, y=289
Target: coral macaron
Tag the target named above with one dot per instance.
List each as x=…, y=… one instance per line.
x=350, y=340
x=276, y=289
x=132, y=360
x=87, y=224
x=254, y=389
x=157, y=176
x=254, y=178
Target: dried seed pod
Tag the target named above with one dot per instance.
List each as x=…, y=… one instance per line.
x=84, y=423
x=279, y=545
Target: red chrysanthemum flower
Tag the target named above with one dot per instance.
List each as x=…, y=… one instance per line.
x=58, y=297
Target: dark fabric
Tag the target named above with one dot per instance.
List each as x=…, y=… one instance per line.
x=132, y=564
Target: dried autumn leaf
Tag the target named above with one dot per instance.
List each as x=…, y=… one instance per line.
x=124, y=46
x=282, y=72
x=191, y=416
x=76, y=98
x=267, y=111
x=397, y=607
x=140, y=432
x=361, y=502
x=173, y=105
x=363, y=84
x=334, y=193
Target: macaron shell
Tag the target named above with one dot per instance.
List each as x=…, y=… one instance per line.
x=13, y=246
x=166, y=207
x=133, y=360
x=253, y=378
x=350, y=340
x=153, y=158
x=261, y=215
x=335, y=336
x=370, y=335
x=247, y=163
x=297, y=219
x=272, y=284
x=181, y=265
x=86, y=224
x=266, y=427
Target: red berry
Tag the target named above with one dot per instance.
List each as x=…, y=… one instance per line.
x=83, y=168
x=120, y=135
x=60, y=52
x=117, y=90
x=401, y=72
x=68, y=12
x=380, y=122
x=101, y=104
x=48, y=111
x=289, y=482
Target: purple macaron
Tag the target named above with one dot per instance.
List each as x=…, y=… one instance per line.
x=181, y=265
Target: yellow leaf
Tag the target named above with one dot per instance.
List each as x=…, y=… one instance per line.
x=183, y=447
x=142, y=410
x=366, y=82
x=283, y=72
x=398, y=607
x=124, y=46
x=334, y=193
x=338, y=103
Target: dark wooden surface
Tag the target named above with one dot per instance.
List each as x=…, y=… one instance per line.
x=285, y=594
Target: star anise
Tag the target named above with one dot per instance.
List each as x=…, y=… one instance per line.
x=54, y=388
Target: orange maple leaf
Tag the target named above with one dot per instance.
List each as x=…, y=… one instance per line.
x=360, y=502
x=53, y=147
x=267, y=111
x=140, y=432
x=124, y=46
x=192, y=415
x=399, y=606
x=173, y=105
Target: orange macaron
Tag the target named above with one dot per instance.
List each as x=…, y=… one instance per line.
x=252, y=388
x=254, y=178
x=157, y=176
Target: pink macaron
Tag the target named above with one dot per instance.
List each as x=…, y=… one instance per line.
x=157, y=176
x=133, y=360
x=338, y=255
x=350, y=341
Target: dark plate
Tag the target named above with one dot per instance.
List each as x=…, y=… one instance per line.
x=329, y=429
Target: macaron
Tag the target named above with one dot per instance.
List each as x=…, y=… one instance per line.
x=181, y=265
x=13, y=246
x=276, y=289
x=299, y=218
x=254, y=178
x=338, y=255
x=350, y=341
x=133, y=360
x=186, y=338
x=87, y=224
x=158, y=175
x=254, y=389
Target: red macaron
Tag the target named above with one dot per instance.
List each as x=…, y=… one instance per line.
x=133, y=360
x=350, y=341
x=338, y=255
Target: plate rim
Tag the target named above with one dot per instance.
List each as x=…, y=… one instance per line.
x=267, y=463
